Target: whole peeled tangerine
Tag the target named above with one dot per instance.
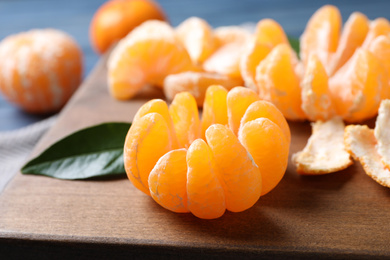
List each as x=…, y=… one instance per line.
x=40, y=69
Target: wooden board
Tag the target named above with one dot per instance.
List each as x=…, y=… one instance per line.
x=345, y=214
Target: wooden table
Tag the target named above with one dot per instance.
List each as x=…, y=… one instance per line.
x=340, y=215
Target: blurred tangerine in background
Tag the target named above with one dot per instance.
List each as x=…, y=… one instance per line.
x=116, y=18
x=40, y=69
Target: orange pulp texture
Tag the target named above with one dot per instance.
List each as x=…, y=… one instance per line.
x=222, y=170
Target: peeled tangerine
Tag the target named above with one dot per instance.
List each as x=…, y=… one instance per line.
x=225, y=161
x=371, y=146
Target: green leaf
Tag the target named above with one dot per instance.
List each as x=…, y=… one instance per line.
x=294, y=42
x=95, y=151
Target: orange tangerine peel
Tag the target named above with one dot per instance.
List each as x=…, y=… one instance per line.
x=361, y=143
x=382, y=133
x=206, y=176
x=324, y=152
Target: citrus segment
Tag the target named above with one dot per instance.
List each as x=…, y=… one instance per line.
x=269, y=33
x=325, y=151
x=196, y=83
x=168, y=179
x=265, y=109
x=160, y=107
x=238, y=100
x=284, y=91
x=379, y=26
x=352, y=37
x=145, y=56
x=358, y=87
x=253, y=53
x=185, y=116
x=382, y=133
x=214, y=108
x=316, y=96
x=269, y=148
x=225, y=60
x=206, y=197
x=361, y=143
x=240, y=175
x=229, y=34
x=197, y=36
x=147, y=140
x=380, y=47
x=321, y=35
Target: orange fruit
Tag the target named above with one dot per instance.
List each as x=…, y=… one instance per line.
x=284, y=92
x=379, y=26
x=196, y=83
x=261, y=138
x=223, y=172
x=116, y=18
x=185, y=117
x=214, y=108
x=205, y=192
x=359, y=86
x=40, y=69
x=238, y=100
x=197, y=36
x=352, y=37
x=382, y=133
x=269, y=33
x=316, y=97
x=145, y=56
x=380, y=47
x=228, y=34
x=321, y=35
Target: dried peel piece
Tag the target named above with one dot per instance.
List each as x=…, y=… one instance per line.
x=361, y=143
x=382, y=133
x=324, y=152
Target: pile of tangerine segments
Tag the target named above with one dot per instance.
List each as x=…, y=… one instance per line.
x=237, y=152
x=230, y=157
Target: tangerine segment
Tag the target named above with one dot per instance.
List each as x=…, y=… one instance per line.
x=238, y=100
x=325, y=151
x=361, y=143
x=321, y=34
x=316, y=97
x=185, y=116
x=283, y=91
x=252, y=55
x=225, y=60
x=206, y=197
x=379, y=26
x=196, y=83
x=214, y=108
x=167, y=181
x=380, y=47
x=265, y=109
x=147, y=140
x=269, y=148
x=240, y=175
x=145, y=56
x=229, y=34
x=352, y=37
x=358, y=87
x=270, y=33
x=197, y=36
x=382, y=133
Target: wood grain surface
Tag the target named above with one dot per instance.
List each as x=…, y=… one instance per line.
x=344, y=214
